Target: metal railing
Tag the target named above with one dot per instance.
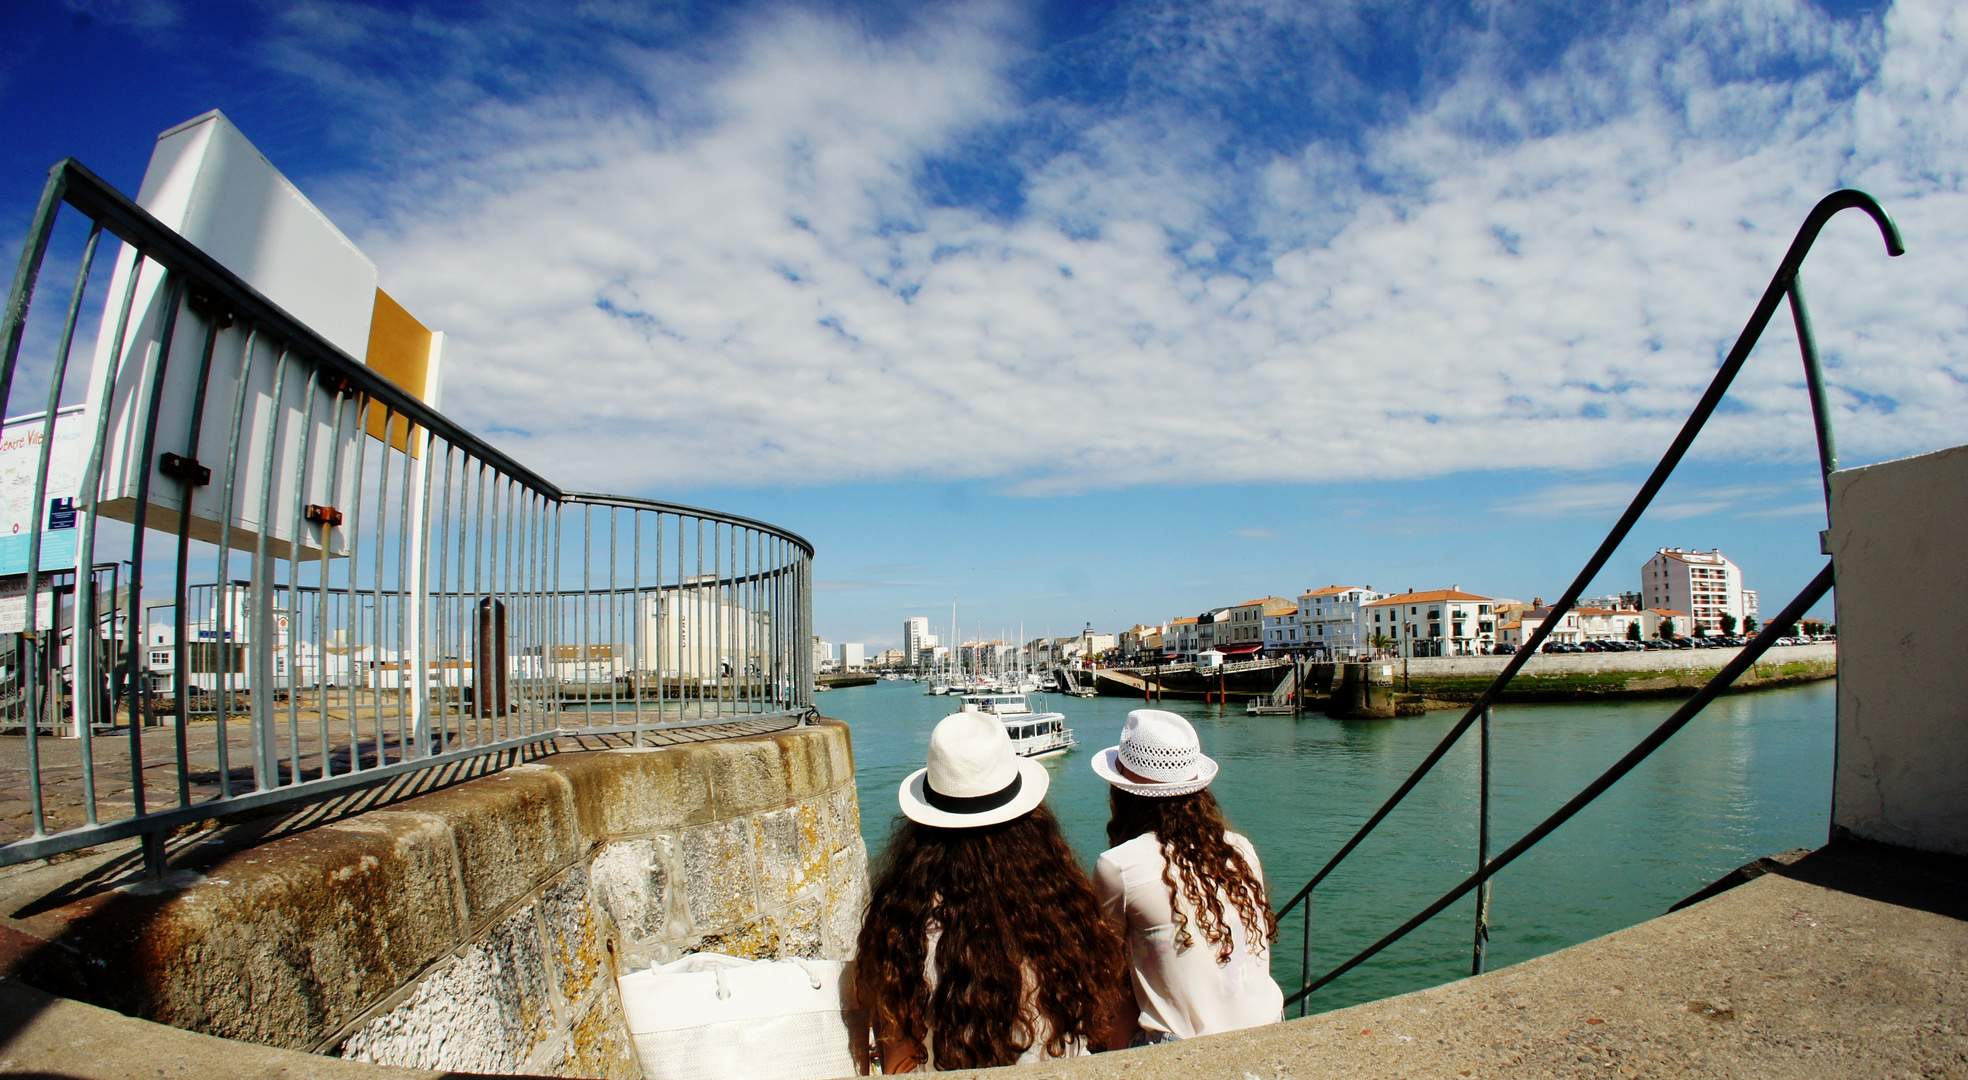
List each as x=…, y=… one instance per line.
x=1783, y=286
x=305, y=578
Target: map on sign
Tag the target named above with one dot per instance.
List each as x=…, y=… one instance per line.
x=20, y=461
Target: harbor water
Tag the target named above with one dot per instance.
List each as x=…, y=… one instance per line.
x=1749, y=777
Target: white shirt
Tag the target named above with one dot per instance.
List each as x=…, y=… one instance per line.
x=1184, y=992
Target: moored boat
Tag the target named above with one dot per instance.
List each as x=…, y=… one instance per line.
x=1033, y=734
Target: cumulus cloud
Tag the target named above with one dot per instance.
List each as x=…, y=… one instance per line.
x=743, y=262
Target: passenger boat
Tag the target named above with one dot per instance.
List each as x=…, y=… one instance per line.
x=1033, y=734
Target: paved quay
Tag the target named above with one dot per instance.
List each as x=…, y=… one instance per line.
x=1851, y=963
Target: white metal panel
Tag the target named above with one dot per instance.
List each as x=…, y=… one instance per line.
x=218, y=191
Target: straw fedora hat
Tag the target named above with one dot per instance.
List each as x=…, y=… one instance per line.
x=1162, y=749
x=973, y=777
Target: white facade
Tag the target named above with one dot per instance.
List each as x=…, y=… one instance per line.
x=1441, y=622
x=1706, y=585
x=854, y=656
x=915, y=638
x=1281, y=631
x=1328, y=619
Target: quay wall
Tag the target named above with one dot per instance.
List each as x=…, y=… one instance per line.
x=481, y=927
x=1576, y=676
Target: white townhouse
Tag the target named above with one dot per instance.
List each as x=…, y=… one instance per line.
x=1440, y=622
x=1281, y=629
x=1179, y=639
x=1328, y=619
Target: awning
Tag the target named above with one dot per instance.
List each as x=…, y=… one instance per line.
x=1239, y=650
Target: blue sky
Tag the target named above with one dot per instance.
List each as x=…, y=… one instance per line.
x=1108, y=312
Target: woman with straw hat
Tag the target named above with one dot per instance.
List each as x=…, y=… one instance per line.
x=983, y=943
x=1186, y=892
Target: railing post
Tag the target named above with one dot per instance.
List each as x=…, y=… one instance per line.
x=1482, y=943
x=1305, y=960
x=1807, y=345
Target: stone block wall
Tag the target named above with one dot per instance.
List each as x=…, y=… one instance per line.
x=481, y=928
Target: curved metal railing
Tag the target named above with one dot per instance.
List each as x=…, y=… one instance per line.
x=1783, y=285
x=247, y=570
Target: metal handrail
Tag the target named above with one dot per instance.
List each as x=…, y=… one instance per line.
x=72, y=182
x=466, y=568
x=630, y=502
x=1783, y=284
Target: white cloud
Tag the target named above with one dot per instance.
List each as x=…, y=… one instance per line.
x=743, y=283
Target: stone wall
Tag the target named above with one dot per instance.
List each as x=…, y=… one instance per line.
x=1591, y=676
x=481, y=927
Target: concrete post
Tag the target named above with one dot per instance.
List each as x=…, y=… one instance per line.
x=1899, y=541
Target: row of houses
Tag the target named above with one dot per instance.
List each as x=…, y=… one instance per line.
x=1681, y=592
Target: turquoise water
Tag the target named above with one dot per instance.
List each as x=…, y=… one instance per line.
x=1750, y=776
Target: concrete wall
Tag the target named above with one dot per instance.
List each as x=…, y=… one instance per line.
x=481, y=927
x=1899, y=537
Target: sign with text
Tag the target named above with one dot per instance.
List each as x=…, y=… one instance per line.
x=20, y=462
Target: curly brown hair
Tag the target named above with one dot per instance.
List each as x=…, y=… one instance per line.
x=1192, y=832
x=1011, y=901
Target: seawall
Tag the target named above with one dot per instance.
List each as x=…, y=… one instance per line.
x=1590, y=676
x=481, y=927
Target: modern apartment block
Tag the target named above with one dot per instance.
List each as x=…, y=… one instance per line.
x=1328, y=620
x=915, y=639
x=1706, y=585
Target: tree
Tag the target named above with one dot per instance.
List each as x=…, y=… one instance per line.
x=1667, y=629
x=1728, y=624
x=1633, y=630
x=1750, y=624
x=1381, y=642
x=1700, y=630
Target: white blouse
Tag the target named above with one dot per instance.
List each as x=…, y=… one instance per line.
x=1184, y=992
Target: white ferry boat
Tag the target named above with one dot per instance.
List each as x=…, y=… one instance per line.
x=1033, y=734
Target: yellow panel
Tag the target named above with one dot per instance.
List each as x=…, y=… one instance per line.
x=399, y=350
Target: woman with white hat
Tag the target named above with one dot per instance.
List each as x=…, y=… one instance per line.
x=1186, y=892
x=983, y=944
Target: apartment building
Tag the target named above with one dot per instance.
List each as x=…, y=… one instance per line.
x=916, y=638
x=1329, y=620
x=1440, y=622
x=1706, y=585
x=1179, y=639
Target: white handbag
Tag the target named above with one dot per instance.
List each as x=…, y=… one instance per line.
x=715, y=1017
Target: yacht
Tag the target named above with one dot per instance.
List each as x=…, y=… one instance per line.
x=1033, y=734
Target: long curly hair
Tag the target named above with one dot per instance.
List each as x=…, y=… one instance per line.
x=1191, y=831
x=1011, y=902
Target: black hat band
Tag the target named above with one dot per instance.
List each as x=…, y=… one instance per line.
x=976, y=804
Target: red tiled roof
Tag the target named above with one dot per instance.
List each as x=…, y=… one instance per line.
x=1428, y=597
x=1331, y=589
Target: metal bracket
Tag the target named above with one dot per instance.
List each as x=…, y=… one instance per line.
x=1824, y=541
x=179, y=467
x=323, y=515
x=211, y=306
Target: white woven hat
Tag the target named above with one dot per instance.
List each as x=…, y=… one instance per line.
x=973, y=777
x=1161, y=748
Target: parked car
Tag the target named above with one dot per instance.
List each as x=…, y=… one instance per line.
x=1504, y=649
